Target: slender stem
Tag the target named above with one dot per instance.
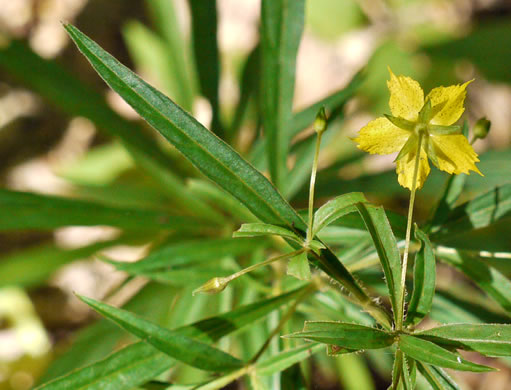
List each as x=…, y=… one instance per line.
x=283, y=321
x=399, y=325
x=311, y=189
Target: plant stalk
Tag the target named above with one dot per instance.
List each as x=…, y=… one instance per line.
x=311, y=189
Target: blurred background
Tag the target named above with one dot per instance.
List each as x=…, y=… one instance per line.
x=49, y=150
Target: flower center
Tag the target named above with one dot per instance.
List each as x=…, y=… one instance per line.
x=420, y=128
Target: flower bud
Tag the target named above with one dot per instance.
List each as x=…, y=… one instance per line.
x=213, y=286
x=482, y=128
x=321, y=122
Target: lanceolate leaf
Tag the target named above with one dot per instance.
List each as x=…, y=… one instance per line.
x=385, y=243
x=487, y=339
x=335, y=209
x=424, y=277
x=428, y=352
x=140, y=362
x=436, y=377
x=172, y=343
x=210, y=154
x=281, y=30
x=22, y=210
x=489, y=279
x=264, y=229
x=351, y=336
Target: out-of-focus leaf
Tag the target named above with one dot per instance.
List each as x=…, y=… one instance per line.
x=354, y=372
x=205, y=49
x=487, y=339
x=490, y=280
x=32, y=266
x=424, y=277
x=428, y=352
x=335, y=209
x=23, y=210
x=166, y=21
x=293, y=379
x=174, y=344
x=351, y=336
x=140, y=362
x=264, y=229
x=385, y=243
x=281, y=30
x=329, y=19
x=286, y=359
x=190, y=252
x=436, y=377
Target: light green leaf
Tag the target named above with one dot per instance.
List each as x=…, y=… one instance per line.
x=487, y=339
x=210, y=154
x=335, y=209
x=436, y=377
x=424, y=277
x=351, y=336
x=428, y=352
x=489, y=279
x=264, y=229
x=299, y=267
x=286, y=359
x=174, y=344
x=23, y=210
x=281, y=29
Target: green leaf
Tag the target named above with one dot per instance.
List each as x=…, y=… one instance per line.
x=351, y=336
x=281, y=30
x=207, y=61
x=140, y=362
x=489, y=279
x=190, y=252
x=487, y=339
x=264, y=229
x=428, y=352
x=299, y=267
x=354, y=372
x=283, y=360
x=424, y=278
x=22, y=210
x=211, y=155
x=385, y=243
x=335, y=209
x=75, y=98
x=436, y=377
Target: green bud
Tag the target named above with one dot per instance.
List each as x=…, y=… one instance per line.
x=482, y=128
x=213, y=286
x=321, y=122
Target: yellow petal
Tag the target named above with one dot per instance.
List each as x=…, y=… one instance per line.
x=406, y=97
x=454, y=154
x=381, y=137
x=406, y=166
x=452, y=99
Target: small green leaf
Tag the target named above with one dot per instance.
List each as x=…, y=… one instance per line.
x=400, y=122
x=436, y=377
x=182, y=348
x=428, y=352
x=283, y=360
x=264, y=229
x=299, y=267
x=281, y=29
x=487, y=339
x=351, y=336
x=335, y=209
x=424, y=277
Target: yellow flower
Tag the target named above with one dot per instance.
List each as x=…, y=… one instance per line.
x=426, y=121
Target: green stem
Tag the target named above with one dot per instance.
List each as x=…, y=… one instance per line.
x=399, y=325
x=311, y=189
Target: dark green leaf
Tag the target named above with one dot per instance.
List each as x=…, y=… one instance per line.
x=22, y=210
x=207, y=61
x=487, y=339
x=424, y=277
x=436, y=377
x=281, y=30
x=351, y=336
x=428, y=352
